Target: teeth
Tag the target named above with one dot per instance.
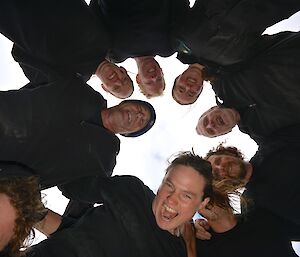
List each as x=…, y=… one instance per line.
x=112, y=76
x=191, y=80
x=129, y=117
x=169, y=209
x=151, y=70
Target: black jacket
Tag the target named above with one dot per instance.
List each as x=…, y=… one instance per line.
x=258, y=233
x=62, y=35
x=274, y=184
x=140, y=27
x=56, y=131
x=266, y=89
x=124, y=226
x=218, y=32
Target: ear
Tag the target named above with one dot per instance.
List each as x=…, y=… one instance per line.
x=104, y=87
x=123, y=69
x=138, y=79
x=249, y=171
x=204, y=203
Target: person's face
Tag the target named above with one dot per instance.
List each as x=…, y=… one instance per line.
x=115, y=80
x=7, y=220
x=227, y=167
x=179, y=196
x=128, y=117
x=188, y=86
x=217, y=121
x=151, y=77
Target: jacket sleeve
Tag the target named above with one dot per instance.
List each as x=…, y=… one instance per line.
x=85, y=190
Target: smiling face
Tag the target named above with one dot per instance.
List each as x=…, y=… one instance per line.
x=228, y=167
x=115, y=80
x=217, y=121
x=126, y=117
x=188, y=85
x=179, y=197
x=150, y=77
x=7, y=220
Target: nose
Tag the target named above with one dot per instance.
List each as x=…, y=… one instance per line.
x=210, y=126
x=172, y=199
x=140, y=115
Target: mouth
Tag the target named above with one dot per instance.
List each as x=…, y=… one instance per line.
x=191, y=80
x=112, y=76
x=129, y=117
x=168, y=213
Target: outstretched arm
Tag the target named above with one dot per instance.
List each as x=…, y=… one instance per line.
x=188, y=233
x=49, y=224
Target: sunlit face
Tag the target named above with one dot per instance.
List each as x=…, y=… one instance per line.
x=151, y=77
x=179, y=196
x=225, y=166
x=7, y=220
x=188, y=86
x=217, y=121
x=128, y=117
x=115, y=80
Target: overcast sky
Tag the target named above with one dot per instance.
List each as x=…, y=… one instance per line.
x=146, y=157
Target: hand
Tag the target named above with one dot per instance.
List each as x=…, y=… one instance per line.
x=202, y=227
x=220, y=220
x=187, y=231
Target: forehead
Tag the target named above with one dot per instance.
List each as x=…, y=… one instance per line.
x=186, y=178
x=183, y=97
x=222, y=157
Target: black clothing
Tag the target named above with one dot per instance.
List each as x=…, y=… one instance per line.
x=265, y=91
x=140, y=27
x=61, y=35
x=123, y=226
x=13, y=169
x=51, y=129
x=274, y=184
x=218, y=32
x=258, y=234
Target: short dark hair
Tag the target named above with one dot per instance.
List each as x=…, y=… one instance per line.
x=203, y=167
x=150, y=123
x=25, y=197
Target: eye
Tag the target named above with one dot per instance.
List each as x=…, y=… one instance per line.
x=142, y=122
x=187, y=196
x=168, y=185
x=191, y=94
x=181, y=89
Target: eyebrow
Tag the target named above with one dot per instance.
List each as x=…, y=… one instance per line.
x=185, y=191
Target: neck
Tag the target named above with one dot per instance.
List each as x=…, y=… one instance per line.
x=100, y=66
x=141, y=59
x=197, y=65
x=106, y=120
x=236, y=115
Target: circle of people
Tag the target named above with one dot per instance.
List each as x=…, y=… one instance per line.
x=57, y=131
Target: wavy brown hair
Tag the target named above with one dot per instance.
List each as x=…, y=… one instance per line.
x=25, y=197
x=225, y=150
